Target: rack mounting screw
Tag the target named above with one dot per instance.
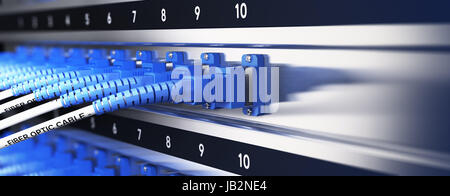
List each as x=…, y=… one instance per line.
x=206, y=56
x=249, y=112
x=248, y=58
x=140, y=53
x=170, y=55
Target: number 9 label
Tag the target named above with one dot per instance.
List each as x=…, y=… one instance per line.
x=197, y=12
x=201, y=148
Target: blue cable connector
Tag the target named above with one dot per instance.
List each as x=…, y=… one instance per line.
x=215, y=62
x=254, y=106
x=151, y=72
x=56, y=64
x=136, y=77
x=21, y=60
x=179, y=61
x=78, y=79
x=99, y=65
x=96, y=65
x=34, y=60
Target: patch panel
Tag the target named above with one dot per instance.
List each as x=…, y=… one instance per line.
x=142, y=88
x=78, y=90
x=149, y=84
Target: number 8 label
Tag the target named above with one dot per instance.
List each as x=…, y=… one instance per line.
x=168, y=143
x=163, y=15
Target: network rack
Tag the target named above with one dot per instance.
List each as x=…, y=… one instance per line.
x=362, y=86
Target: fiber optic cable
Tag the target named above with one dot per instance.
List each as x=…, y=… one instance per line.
x=149, y=94
x=76, y=95
x=95, y=72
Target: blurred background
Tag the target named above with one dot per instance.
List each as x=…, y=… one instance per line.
x=365, y=84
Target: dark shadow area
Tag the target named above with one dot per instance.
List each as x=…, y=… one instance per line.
x=302, y=79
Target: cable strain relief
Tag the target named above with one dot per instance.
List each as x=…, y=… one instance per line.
x=38, y=95
x=16, y=89
x=150, y=94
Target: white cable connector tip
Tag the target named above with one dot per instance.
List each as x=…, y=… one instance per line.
x=6, y=94
x=30, y=113
x=50, y=125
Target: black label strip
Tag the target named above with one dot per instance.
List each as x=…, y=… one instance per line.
x=176, y=14
x=232, y=156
